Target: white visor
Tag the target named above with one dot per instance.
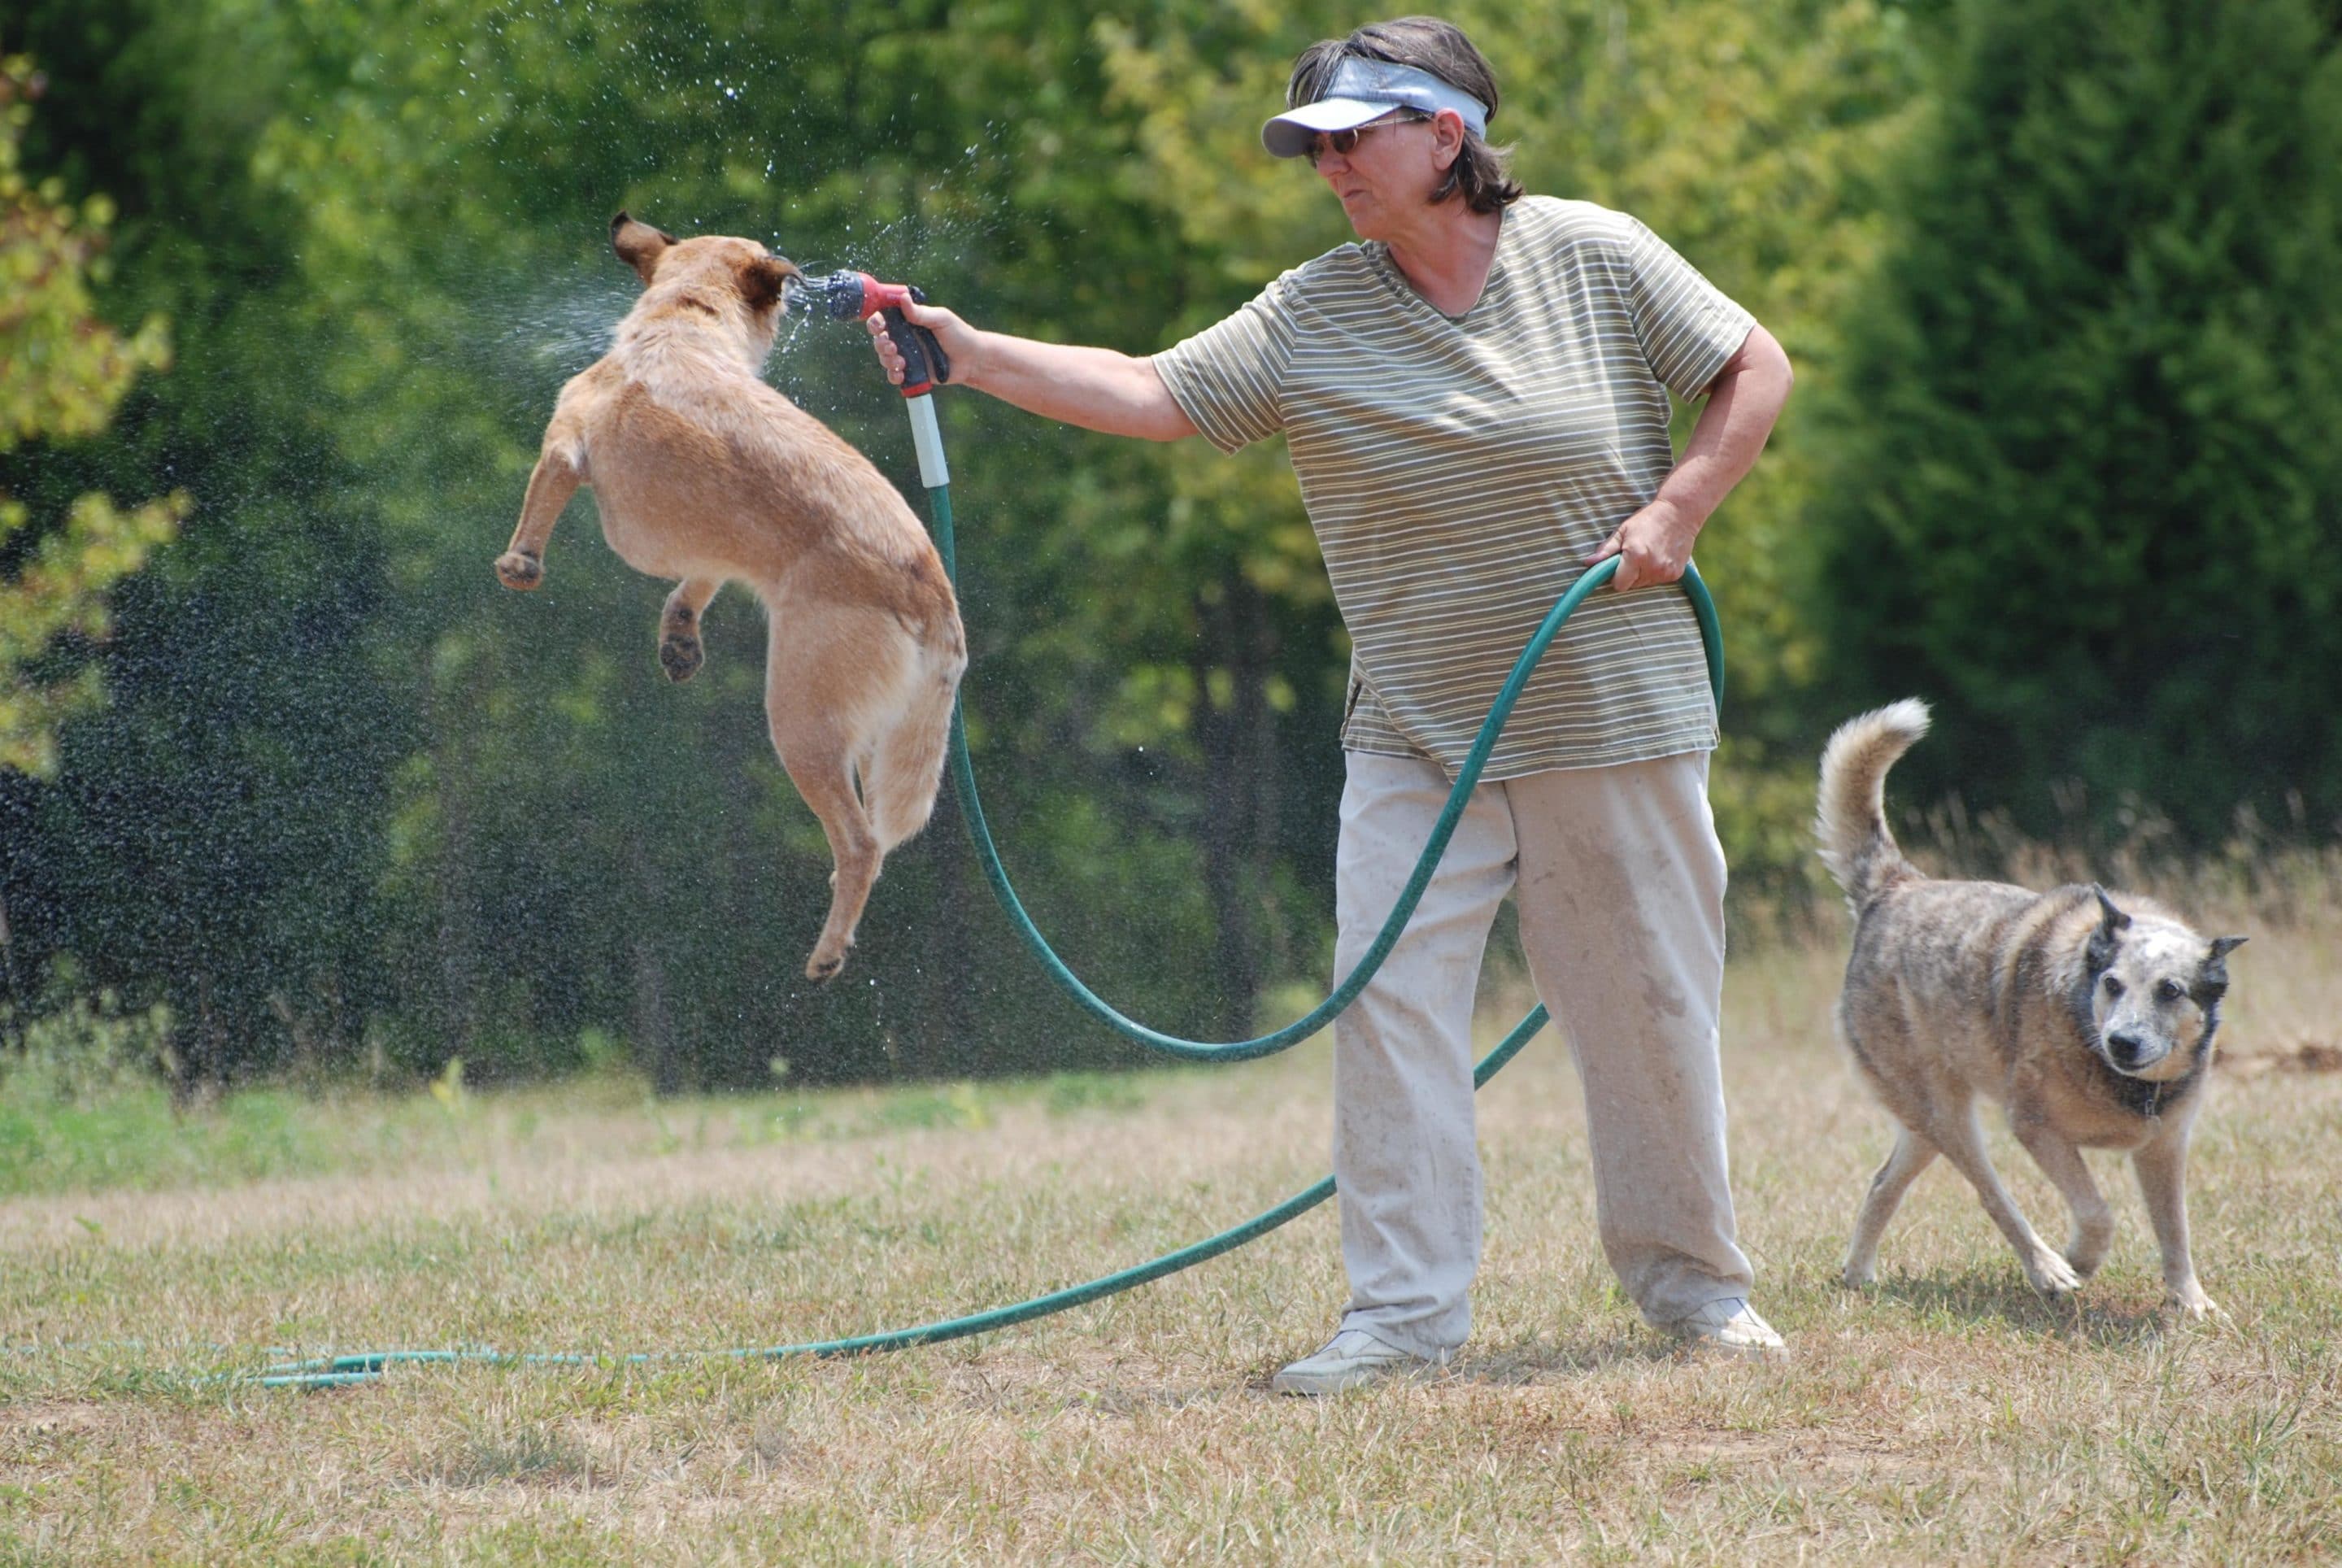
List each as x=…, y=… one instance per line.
x=1364, y=90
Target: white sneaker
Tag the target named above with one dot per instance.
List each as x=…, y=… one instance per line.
x=1730, y=1327
x=1352, y=1359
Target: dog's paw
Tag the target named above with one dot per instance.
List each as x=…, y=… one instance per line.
x=681, y=654
x=2190, y=1304
x=1858, y=1276
x=2051, y=1274
x=826, y=962
x=519, y=570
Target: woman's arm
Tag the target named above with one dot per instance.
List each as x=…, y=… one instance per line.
x=1743, y=402
x=1096, y=388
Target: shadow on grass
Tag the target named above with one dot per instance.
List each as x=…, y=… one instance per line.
x=2095, y=1316
x=1537, y=1359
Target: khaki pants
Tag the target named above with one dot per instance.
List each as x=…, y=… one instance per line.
x=1620, y=881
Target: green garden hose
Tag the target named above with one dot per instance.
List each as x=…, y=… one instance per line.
x=335, y=1372
x=1466, y=777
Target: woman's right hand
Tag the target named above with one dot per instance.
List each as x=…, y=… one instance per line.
x=1096, y=389
x=957, y=336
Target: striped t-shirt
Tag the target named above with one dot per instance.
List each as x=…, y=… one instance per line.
x=1459, y=470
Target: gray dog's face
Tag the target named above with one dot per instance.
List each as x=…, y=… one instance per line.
x=2154, y=992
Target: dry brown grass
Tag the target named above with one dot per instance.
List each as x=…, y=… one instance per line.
x=1947, y=1415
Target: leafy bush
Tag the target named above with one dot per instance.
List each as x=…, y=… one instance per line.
x=86, y=1052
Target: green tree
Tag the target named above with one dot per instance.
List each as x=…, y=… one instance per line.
x=63, y=370
x=206, y=840
x=2088, y=497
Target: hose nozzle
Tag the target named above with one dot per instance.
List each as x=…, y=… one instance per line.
x=848, y=295
x=838, y=294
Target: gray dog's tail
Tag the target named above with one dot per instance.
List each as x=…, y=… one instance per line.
x=1852, y=821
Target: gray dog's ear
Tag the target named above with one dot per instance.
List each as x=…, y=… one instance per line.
x=2101, y=952
x=2116, y=921
x=2214, y=976
x=638, y=245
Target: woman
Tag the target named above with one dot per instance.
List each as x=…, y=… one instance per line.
x=1475, y=398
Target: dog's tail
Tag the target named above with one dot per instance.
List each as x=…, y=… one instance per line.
x=1856, y=846
x=906, y=765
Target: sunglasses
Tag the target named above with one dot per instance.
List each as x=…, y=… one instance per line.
x=1347, y=142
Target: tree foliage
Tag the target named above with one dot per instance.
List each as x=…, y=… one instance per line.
x=2087, y=492
x=63, y=371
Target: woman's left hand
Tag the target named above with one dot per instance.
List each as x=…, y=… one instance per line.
x=1653, y=546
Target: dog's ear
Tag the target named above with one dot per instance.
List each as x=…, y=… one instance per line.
x=638, y=245
x=762, y=280
x=2108, y=936
x=2214, y=976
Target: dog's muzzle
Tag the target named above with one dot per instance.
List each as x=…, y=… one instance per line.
x=2128, y=1053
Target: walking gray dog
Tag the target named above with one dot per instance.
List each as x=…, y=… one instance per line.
x=2089, y=1018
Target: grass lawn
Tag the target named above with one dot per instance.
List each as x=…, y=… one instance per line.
x=1948, y=1416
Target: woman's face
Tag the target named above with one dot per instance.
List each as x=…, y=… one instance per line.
x=1386, y=179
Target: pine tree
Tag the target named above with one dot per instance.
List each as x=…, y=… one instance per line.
x=2089, y=499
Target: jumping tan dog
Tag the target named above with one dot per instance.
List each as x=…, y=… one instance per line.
x=2090, y=1020
x=704, y=474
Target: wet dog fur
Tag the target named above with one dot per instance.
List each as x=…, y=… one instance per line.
x=705, y=475
x=2088, y=1016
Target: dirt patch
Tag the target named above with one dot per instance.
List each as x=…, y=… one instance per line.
x=49, y=1419
x=35, y=1439
x=2302, y=1056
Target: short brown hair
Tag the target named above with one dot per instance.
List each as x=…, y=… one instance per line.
x=1479, y=173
